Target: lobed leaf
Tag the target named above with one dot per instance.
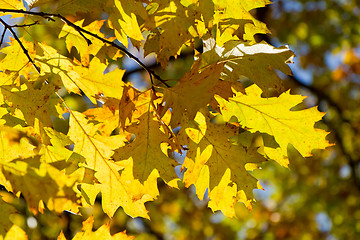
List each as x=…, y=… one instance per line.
x=213, y=162
x=274, y=116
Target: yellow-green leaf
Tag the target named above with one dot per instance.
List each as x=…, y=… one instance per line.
x=274, y=116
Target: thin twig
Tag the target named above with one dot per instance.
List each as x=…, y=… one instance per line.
x=7, y=26
x=24, y=25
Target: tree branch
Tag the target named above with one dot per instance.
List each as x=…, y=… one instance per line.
x=50, y=16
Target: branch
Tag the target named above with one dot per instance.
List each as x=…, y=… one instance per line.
x=320, y=95
x=50, y=16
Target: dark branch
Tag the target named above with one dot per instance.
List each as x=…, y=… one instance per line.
x=2, y=36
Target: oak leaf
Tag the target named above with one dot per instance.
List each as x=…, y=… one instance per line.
x=14, y=144
x=34, y=103
x=85, y=48
x=15, y=59
x=146, y=151
x=16, y=233
x=233, y=17
x=94, y=82
x=113, y=179
x=90, y=79
x=102, y=233
x=213, y=162
x=274, y=116
x=78, y=8
x=123, y=18
x=171, y=25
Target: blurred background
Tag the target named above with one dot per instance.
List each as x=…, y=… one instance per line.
x=317, y=198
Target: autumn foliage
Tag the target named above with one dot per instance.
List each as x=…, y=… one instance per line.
x=225, y=116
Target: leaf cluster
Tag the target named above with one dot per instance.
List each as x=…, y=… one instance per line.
x=131, y=137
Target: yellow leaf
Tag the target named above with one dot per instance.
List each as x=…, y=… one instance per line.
x=12, y=4
x=273, y=116
x=102, y=233
x=94, y=82
x=16, y=233
x=15, y=59
x=124, y=19
x=107, y=116
x=15, y=144
x=251, y=29
x=74, y=39
x=117, y=189
x=40, y=182
x=61, y=236
x=223, y=196
x=232, y=16
x=213, y=162
x=145, y=151
x=175, y=23
x=56, y=152
x=76, y=8
x=57, y=64
x=34, y=103
x=91, y=79
x=251, y=4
